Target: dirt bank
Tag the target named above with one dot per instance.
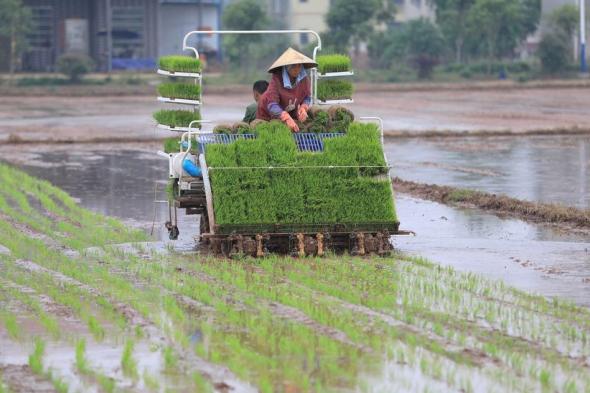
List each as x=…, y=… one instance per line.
x=566, y=217
x=147, y=88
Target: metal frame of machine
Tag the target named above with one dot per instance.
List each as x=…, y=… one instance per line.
x=195, y=194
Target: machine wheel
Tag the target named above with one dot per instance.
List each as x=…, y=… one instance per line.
x=173, y=233
x=203, y=228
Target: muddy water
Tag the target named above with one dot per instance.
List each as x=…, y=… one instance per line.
x=547, y=169
x=121, y=183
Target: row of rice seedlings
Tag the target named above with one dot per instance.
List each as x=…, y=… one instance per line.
x=180, y=64
x=334, y=89
x=248, y=299
x=75, y=299
x=243, y=366
x=240, y=128
x=36, y=365
x=333, y=63
x=559, y=309
x=519, y=322
x=46, y=320
x=11, y=324
x=64, y=231
x=17, y=184
x=177, y=118
x=340, y=281
x=186, y=91
x=300, y=195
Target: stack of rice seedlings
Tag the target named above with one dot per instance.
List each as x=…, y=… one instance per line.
x=180, y=64
x=340, y=118
x=254, y=123
x=303, y=191
x=241, y=128
x=187, y=91
x=333, y=63
x=334, y=89
x=223, y=129
x=318, y=121
x=177, y=118
x=172, y=145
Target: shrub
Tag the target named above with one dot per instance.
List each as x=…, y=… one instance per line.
x=553, y=52
x=334, y=89
x=333, y=63
x=177, y=118
x=180, y=64
x=304, y=194
x=180, y=90
x=74, y=66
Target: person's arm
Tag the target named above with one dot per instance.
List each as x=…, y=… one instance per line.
x=306, y=102
x=273, y=97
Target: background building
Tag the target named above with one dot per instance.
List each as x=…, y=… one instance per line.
x=141, y=30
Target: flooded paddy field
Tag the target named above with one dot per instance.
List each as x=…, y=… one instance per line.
x=554, y=169
x=79, y=312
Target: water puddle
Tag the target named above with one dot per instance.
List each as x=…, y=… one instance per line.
x=120, y=182
x=546, y=169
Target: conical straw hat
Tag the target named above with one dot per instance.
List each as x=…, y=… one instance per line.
x=291, y=56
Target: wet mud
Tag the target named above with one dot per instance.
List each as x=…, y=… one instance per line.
x=95, y=118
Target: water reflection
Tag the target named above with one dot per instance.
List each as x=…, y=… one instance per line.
x=547, y=169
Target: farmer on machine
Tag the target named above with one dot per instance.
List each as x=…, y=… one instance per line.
x=288, y=96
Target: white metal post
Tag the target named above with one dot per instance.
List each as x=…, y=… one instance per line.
x=583, y=65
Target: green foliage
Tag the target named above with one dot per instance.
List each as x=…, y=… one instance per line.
x=554, y=53
x=74, y=66
x=305, y=194
x=180, y=64
x=170, y=360
x=180, y=90
x=333, y=63
x=177, y=118
x=15, y=24
x=418, y=43
x=334, y=89
x=352, y=21
x=566, y=18
x=253, y=51
x=497, y=26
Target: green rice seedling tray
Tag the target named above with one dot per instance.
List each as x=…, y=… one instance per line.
x=185, y=91
x=185, y=64
x=334, y=89
x=268, y=183
x=177, y=118
x=334, y=64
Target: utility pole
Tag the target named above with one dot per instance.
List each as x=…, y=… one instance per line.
x=109, y=25
x=583, y=65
